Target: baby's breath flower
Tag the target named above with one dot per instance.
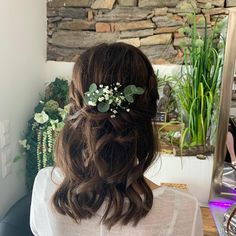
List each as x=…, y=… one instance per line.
x=100, y=99
x=110, y=92
x=91, y=103
x=128, y=110
x=108, y=97
x=112, y=116
x=105, y=90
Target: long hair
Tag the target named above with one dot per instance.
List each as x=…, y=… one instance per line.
x=103, y=159
x=228, y=226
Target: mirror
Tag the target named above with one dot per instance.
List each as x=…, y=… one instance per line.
x=221, y=170
x=190, y=162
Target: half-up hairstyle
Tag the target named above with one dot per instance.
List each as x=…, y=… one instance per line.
x=103, y=159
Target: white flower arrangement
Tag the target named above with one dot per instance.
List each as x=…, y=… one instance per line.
x=41, y=118
x=37, y=144
x=111, y=98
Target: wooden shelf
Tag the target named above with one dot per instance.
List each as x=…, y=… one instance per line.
x=209, y=226
x=168, y=126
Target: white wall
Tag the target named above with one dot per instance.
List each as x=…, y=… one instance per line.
x=58, y=69
x=22, y=72
x=193, y=172
x=64, y=69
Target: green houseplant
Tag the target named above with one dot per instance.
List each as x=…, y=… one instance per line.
x=199, y=86
x=43, y=128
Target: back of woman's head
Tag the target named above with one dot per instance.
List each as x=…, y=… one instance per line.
x=103, y=157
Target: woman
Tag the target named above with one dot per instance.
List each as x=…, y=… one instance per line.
x=98, y=185
x=230, y=220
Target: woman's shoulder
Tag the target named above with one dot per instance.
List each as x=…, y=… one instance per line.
x=170, y=207
x=172, y=194
x=49, y=172
x=44, y=172
x=47, y=179
x=173, y=200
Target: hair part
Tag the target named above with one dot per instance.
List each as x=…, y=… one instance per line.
x=104, y=159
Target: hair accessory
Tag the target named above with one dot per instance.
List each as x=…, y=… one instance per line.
x=111, y=98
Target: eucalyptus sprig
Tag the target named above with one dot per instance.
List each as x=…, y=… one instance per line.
x=111, y=98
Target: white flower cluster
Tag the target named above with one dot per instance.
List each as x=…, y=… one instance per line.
x=111, y=98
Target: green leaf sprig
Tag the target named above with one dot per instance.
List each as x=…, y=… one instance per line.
x=111, y=98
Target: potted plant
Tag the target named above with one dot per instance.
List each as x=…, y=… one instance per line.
x=199, y=85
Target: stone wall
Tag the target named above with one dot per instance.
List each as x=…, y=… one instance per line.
x=151, y=25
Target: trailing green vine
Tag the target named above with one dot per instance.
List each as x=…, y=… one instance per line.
x=43, y=128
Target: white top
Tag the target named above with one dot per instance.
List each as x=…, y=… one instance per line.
x=173, y=213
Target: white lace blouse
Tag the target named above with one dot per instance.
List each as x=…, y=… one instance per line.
x=173, y=213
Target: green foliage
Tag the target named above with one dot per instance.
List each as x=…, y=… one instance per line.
x=199, y=86
x=43, y=128
x=132, y=90
x=58, y=91
x=51, y=106
x=107, y=98
x=103, y=106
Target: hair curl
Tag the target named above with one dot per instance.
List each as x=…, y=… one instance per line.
x=104, y=159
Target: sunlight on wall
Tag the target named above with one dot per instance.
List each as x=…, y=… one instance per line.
x=64, y=69
x=22, y=66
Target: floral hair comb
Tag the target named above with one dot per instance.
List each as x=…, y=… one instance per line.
x=111, y=98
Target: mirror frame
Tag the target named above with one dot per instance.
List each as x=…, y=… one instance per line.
x=225, y=104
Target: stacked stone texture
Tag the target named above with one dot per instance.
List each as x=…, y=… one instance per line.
x=151, y=25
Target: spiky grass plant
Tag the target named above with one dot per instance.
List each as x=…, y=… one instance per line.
x=199, y=85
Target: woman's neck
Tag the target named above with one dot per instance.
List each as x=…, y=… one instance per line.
x=151, y=185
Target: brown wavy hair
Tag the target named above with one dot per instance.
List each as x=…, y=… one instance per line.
x=228, y=227
x=104, y=158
